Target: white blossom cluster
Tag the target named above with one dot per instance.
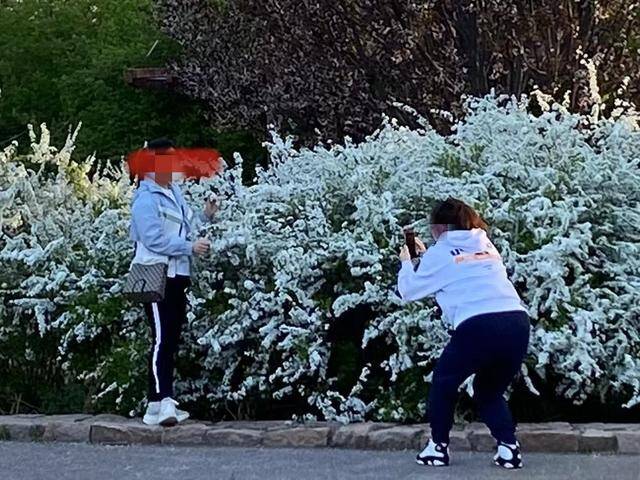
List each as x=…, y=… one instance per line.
x=315, y=238
x=63, y=251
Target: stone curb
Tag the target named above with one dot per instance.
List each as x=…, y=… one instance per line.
x=115, y=430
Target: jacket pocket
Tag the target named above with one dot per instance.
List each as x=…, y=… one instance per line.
x=170, y=216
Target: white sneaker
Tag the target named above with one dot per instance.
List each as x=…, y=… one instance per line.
x=434, y=455
x=151, y=415
x=168, y=416
x=508, y=455
x=182, y=415
x=153, y=411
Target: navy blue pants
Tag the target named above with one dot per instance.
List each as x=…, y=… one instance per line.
x=166, y=319
x=493, y=347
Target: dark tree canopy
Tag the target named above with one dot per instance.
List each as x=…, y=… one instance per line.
x=335, y=66
x=62, y=62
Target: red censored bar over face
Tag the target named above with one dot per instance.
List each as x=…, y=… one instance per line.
x=192, y=162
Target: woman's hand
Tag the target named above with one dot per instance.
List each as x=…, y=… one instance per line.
x=404, y=251
x=210, y=207
x=201, y=246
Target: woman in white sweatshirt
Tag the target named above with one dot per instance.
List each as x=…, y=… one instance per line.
x=490, y=327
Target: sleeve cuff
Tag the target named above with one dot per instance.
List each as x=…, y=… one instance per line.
x=203, y=217
x=407, y=266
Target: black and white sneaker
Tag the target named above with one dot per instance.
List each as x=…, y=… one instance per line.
x=434, y=455
x=508, y=456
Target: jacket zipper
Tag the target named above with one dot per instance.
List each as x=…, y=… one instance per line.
x=175, y=201
x=182, y=220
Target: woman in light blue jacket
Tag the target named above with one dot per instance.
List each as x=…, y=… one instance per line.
x=161, y=227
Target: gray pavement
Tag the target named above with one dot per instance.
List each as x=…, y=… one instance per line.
x=58, y=461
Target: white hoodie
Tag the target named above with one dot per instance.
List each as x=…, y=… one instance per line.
x=466, y=273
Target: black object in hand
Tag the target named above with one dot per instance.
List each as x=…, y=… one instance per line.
x=410, y=241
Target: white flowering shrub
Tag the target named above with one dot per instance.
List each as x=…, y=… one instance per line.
x=63, y=251
x=295, y=308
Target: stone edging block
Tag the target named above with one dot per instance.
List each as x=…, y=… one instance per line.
x=116, y=430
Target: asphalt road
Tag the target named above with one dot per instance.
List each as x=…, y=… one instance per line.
x=41, y=461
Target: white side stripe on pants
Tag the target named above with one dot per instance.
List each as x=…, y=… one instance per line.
x=156, y=346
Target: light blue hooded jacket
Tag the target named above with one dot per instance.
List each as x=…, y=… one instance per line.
x=161, y=227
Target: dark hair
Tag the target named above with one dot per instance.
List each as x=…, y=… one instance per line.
x=155, y=144
x=457, y=215
x=160, y=144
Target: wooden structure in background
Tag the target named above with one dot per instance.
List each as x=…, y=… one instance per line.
x=149, y=77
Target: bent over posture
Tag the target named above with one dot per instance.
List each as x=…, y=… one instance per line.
x=490, y=327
